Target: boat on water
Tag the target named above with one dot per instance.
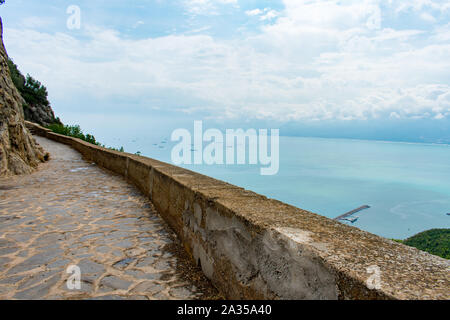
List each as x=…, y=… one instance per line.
x=351, y=219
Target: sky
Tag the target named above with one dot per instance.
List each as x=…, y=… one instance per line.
x=356, y=69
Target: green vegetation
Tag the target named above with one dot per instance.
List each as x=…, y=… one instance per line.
x=76, y=132
x=434, y=241
x=33, y=92
x=118, y=150
x=73, y=131
x=16, y=76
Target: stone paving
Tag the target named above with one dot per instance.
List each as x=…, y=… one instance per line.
x=71, y=212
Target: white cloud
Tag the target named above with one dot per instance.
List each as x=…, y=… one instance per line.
x=254, y=12
x=264, y=15
x=420, y=5
x=269, y=15
x=207, y=7
x=427, y=17
x=317, y=60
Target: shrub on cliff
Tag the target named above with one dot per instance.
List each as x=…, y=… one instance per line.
x=34, y=92
x=31, y=90
x=37, y=107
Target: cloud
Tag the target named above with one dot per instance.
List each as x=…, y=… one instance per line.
x=269, y=15
x=254, y=12
x=265, y=14
x=207, y=7
x=420, y=5
x=427, y=17
x=315, y=60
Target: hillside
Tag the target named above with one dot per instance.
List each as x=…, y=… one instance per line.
x=434, y=241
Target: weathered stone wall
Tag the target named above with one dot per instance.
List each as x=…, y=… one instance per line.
x=252, y=247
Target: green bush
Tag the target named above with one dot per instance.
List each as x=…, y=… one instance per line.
x=434, y=241
x=30, y=89
x=73, y=131
x=34, y=92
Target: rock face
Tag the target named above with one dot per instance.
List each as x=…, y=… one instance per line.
x=19, y=153
x=40, y=114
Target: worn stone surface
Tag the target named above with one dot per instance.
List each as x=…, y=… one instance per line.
x=71, y=212
x=19, y=153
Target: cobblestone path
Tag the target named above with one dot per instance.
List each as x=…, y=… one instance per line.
x=71, y=212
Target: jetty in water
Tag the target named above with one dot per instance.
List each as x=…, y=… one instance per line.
x=346, y=216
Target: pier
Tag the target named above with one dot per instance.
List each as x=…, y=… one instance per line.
x=348, y=214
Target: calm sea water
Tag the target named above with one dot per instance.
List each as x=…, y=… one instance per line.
x=407, y=185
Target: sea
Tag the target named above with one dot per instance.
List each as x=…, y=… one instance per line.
x=406, y=185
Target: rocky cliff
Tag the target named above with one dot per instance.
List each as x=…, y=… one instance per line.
x=40, y=114
x=19, y=153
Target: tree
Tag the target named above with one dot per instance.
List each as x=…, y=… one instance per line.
x=31, y=90
x=34, y=92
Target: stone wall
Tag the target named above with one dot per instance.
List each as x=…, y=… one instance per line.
x=252, y=247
